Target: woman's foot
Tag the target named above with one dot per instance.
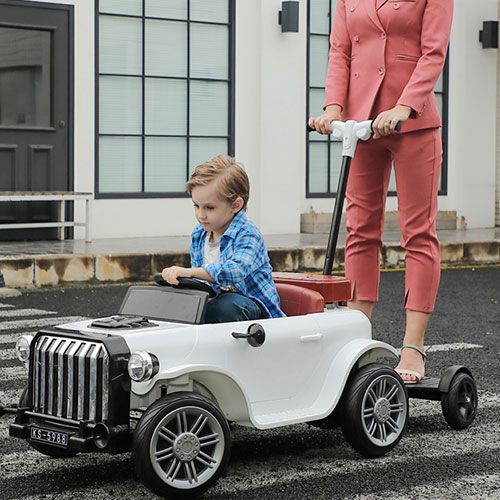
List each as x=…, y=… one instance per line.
x=411, y=367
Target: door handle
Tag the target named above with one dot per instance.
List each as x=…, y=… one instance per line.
x=255, y=335
x=311, y=338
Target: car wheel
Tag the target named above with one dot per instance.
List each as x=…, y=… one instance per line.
x=47, y=449
x=181, y=445
x=375, y=410
x=459, y=404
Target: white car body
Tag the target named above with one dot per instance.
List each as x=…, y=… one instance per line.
x=297, y=375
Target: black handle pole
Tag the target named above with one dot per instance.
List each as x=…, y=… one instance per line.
x=337, y=215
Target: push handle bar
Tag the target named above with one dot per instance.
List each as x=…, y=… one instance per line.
x=397, y=128
x=350, y=132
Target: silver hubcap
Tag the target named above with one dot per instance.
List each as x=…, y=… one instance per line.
x=187, y=447
x=384, y=410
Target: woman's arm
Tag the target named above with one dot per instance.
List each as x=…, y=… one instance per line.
x=337, y=79
x=435, y=35
x=339, y=59
x=436, y=26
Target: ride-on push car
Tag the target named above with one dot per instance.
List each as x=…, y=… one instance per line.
x=156, y=380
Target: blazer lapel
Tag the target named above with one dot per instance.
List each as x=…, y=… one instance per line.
x=371, y=9
x=380, y=3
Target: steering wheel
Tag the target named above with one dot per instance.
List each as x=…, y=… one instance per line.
x=188, y=283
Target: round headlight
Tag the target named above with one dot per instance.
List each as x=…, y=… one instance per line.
x=23, y=347
x=142, y=366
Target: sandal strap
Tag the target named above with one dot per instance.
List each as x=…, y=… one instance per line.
x=416, y=348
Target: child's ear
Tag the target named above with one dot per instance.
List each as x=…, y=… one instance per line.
x=237, y=204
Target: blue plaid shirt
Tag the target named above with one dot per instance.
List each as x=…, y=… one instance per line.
x=244, y=263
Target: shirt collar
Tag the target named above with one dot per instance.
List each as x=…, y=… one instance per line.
x=238, y=221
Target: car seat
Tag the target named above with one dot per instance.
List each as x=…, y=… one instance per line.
x=297, y=300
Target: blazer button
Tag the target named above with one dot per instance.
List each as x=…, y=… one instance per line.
x=381, y=71
x=396, y=6
x=356, y=75
x=356, y=38
x=352, y=9
x=382, y=35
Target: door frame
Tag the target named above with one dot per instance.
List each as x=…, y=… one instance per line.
x=71, y=72
x=69, y=66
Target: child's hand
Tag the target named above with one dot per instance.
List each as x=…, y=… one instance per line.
x=170, y=274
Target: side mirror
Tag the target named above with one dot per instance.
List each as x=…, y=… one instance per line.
x=255, y=335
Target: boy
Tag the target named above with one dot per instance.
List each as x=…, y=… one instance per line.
x=227, y=250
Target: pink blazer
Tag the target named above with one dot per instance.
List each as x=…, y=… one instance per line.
x=393, y=54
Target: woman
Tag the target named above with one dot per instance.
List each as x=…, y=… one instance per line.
x=385, y=59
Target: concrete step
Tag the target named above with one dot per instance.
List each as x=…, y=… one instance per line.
x=291, y=253
x=319, y=223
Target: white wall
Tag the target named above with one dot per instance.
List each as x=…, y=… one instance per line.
x=270, y=113
x=472, y=117
x=270, y=125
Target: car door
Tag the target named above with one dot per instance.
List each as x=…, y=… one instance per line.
x=283, y=366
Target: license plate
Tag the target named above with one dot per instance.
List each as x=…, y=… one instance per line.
x=48, y=436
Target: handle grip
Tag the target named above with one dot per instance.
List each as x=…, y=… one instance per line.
x=397, y=127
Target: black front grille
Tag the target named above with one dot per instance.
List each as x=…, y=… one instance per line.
x=71, y=378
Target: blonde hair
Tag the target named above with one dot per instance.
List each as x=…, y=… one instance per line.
x=230, y=178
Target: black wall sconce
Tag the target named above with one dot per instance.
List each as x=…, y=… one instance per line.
x=488, y=36
x=288, y=17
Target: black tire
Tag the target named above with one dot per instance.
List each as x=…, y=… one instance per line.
x=46, y=449
x=374, y=410
x=181, y=420
x=459, y=404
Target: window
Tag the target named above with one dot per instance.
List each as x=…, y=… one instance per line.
x=25, y=78
x=165, y=93
x=324, y=155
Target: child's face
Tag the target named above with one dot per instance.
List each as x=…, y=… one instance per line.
x=212, y=211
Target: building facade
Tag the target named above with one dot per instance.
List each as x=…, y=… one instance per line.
x=123, y=98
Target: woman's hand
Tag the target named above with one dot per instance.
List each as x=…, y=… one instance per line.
x=322, y=122
x=170, y=274
x=386, y=122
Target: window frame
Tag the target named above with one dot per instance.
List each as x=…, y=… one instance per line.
x=443, y=188
x=230, y=137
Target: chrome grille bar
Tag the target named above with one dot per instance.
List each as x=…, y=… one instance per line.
x=81, y=381
x=93, y=405
x=52, y=382
x=70, y=378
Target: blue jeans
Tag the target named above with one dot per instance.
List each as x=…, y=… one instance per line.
x=232, y=307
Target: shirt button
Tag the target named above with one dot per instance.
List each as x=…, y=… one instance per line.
x=381, y=71
x=352, y=9
x=356, y=75
x=356, y=38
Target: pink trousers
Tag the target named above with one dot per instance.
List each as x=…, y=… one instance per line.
x=417, y=160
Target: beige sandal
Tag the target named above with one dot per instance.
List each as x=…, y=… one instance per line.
x=402, y=371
